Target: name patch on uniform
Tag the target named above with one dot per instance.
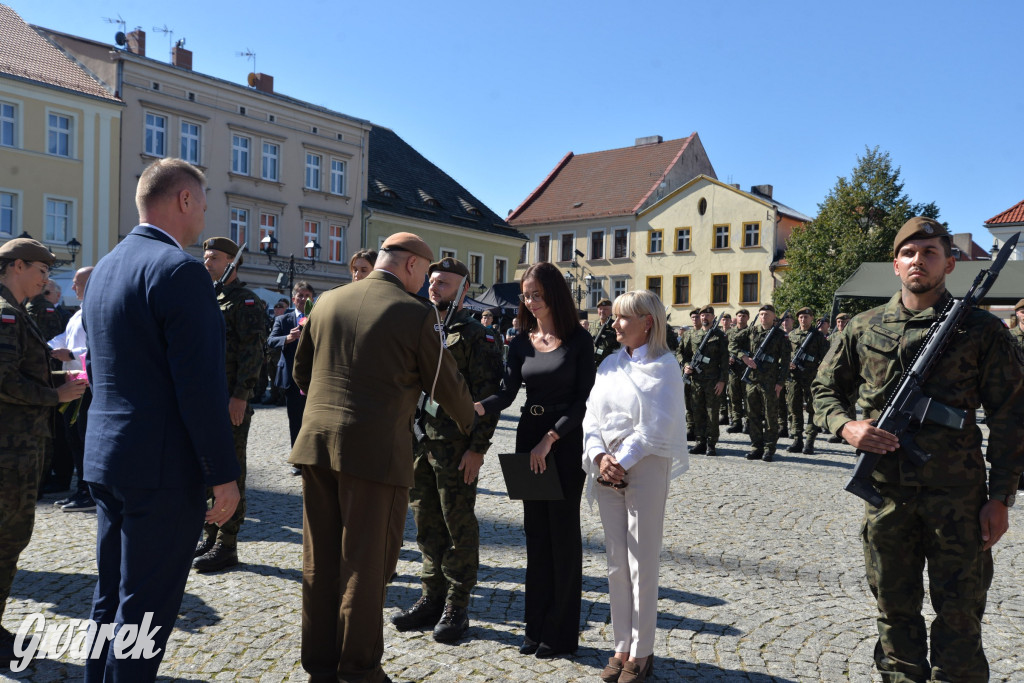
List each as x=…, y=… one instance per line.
x=8, y=318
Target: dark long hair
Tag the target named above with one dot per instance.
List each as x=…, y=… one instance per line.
x=557, y=297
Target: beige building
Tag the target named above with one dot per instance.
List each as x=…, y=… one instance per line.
x=709, y=242
x=59, y=146
x=277, y=167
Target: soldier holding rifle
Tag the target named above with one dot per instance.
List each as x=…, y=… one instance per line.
x=705, y=356
x=764, y=379
x=941, y=512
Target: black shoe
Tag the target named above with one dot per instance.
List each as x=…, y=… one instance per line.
x=784, y=432
x=296, y=471
x=220, y=557
x=756, y=454
x=835, y=439
x=770, y=455
x=690, y=435
x=746, y=427
x=545, y=651
x=796, y=446
x=528, y=647
x=711, y=450
x=6, y=647
x=80, y=502
x=700, y=449
x=205, y=545
x=424, y=612
x=61, y=503
x=453, y=624
x=724, y=420
x=735, y=428
x=809, y=448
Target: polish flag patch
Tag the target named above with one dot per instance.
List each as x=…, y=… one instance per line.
x=8, y=318
x=489, y=337
x=50, y=309
x=250, y=302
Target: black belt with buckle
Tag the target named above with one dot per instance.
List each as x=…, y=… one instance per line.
x=538, y=410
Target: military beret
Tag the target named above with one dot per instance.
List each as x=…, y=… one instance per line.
x=449, y=265
x=743, y=311
x=726, y=316
x=766, y=307
x=221, y=244
x=604, y=302
x=1020, y=305
x=708, y=309
x=843, y=316
x=919, y=227
x=695, y=311
x=26, y=249
x=805, y=311
x=406, y=241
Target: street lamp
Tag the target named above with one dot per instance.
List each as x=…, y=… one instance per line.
x=288, y=268
x=577, y=277
x=73, y=247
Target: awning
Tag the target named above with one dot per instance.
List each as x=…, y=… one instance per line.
x=877, y=281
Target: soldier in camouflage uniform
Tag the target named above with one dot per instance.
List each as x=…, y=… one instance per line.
x=691, y=434
x=784, y=415
x=940, y=514
x=26, y=402
x=798, y=388
x=708, y=383
x=765, y=383
x=842, y=320
x=1018, y=331
x=246, y=337
x=605, y=343
x=44, y=313
x=446, y=465
x=737, y=390
x=724, y=403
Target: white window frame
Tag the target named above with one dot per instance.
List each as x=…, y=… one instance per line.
x=187, y=138
x=448, y=252
x=503, y=269
x=154, y=136
x=688, y=237
x=478, y=277
x=240, y=154
x=595, y=290
x=314, y=164
x=265, y=227
x=335, y=241
x=572, y=247
x=70, y=219
x=14, y=210
x=613, y=232
x=616, y=282
x=238, y=229
x=307, y=233
x=338, y=172
x=536, y=251
x=11, y=121
x=590, y=244
x=756, y=232
x=275, y=158
x=58, y=133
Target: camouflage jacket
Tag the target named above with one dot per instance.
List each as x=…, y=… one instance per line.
x=26, y=392
x=816, y=349
x=717, y=351
x=1018, y=336
x=981, y=367
x=246, y=336
x=46, y=317
x=479, y=361
x=605, y=343
x=747, y=341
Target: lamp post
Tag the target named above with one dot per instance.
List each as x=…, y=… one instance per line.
x=576, y=277
x=288, y=268
x=73, y=247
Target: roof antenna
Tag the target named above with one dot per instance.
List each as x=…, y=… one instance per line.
x=170, y=40
x=119, y=37
x=248, y=54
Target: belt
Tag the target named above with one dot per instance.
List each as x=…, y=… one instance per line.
x=537, y=409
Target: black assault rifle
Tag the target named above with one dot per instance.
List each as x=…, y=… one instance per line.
x=761, y=355
x=218, y=286
x=699, y=360
x=908, y=408
x=802, y=355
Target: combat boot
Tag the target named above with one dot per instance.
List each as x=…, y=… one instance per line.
x=711, y=449
x=424, y=612
x=809, y=446
x=835, y=439
x=220, y=557
x=770, y=455
x=724, y=419
x=701, y=448
x=205, y=544
x=735, y=428
x=453, y=624
x=796, y=446
x=746, y=427
x=756, y=454
x=784, y=432
x=690, y=436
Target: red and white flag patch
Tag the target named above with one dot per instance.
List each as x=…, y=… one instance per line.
x=8, y=318
x=250, y=302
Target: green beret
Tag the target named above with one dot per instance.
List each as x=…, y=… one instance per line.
x=221, y=244
x=766, y=307
x=407, y=241
x=919, y=227
x=449, y=265
x=604, y=302
x=843, y=316
x=1020, y=305
x=26, y=249
x=708, y=309
x=743, y=311
x=805, y=311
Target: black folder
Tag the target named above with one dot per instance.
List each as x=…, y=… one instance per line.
x=524, y=484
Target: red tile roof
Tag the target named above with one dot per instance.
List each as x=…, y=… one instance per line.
x=610, y=183
x=1015, y=214
x=26, y=54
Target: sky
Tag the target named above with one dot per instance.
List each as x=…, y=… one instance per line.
x=784, y=93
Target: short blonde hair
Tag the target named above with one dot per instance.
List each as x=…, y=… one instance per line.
x=645, y=302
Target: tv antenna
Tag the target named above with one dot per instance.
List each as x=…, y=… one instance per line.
x=248, y=54
x=170, y=38
x=119, y=38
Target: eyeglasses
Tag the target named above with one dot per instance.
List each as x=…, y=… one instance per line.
x=531, y=296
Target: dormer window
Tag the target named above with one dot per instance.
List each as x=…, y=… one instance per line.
x=428, y=200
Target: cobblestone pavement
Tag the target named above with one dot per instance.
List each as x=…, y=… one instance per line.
x=761, y=580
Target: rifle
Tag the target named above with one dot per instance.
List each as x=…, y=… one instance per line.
x=761, y=355
x=426, y=402
x=908, y=408
x=802, y=356
x=699, y=360
x=218, y=286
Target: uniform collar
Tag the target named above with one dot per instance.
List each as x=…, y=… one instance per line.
x=895, y=311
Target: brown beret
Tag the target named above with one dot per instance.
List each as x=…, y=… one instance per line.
x=805, y=311
x=919, y=227
x=406, y=241
x=743, y=311
x=695, y=311
x=449, y=265
x=221, y=244
x=604, y=302
x=708, y=309
x=27, y=250
x=843, y=316
x=1020, y=305
x=766, y=307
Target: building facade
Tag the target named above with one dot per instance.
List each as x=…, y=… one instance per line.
x=1005, y=225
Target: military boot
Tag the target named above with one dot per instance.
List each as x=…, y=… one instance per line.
x=735, y=428
x=835, y=439
x=453, y=624
x=711, y=449
x=205, y=544
x=701, y=448
x=424, y=612
x=221, y=556
x=757, y=453
x=809, y=446
x=723, y=419
x=796, y=446
x=770, y=454
x=784, y=432
x=746, y=427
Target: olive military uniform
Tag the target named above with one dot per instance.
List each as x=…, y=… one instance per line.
x=1018, y=336
x=605, y=343
x=930, y=513
x=705, y=401
x=762, y=402
x=46, y=317
x=737, y=392
x=798, y=388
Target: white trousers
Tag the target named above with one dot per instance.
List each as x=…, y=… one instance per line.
x=634, y=522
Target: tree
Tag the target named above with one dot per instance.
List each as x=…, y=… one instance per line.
x=856, y=223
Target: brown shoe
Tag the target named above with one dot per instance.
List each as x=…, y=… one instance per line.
x=631, y=673
x=611, y=672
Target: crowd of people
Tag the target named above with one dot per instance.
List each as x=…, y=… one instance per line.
x=392, y=402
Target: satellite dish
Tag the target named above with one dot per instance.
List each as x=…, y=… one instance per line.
x=120, y=38
x=251, y=80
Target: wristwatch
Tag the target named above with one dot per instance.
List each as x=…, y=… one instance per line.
x=1005, y=500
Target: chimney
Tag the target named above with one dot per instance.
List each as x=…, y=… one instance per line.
x=137, y=42
x=181, y=57
x=763, y=190
x=649, y=140
x=263, y=83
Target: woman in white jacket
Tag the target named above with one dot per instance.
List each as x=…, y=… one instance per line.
x=635, y=443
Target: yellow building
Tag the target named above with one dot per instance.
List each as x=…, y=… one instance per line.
x=59, y=149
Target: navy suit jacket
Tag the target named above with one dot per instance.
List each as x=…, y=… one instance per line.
x=283, y=324
x=159, y=414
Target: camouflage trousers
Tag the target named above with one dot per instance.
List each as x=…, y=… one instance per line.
x=763, y=413
x=798, y=394
x=939, y=527
x=737, y=396
x=783, y=405
x=20, y=473
x=688, y=397
x=228, y=533
x=446, y=528
x=705, y=410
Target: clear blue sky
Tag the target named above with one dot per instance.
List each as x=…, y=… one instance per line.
x=784, y=93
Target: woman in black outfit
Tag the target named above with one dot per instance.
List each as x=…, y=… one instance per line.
x=554, y=356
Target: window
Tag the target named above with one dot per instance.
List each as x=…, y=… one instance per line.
x=543, y=248
x=310, y=231
x=448, y=253
x=58, y=221
x=269, y=171
x=335, y=242
x=522, y=252
x=719, y=289
x=7, y=124
x=58, y=139
x=155, y=141
x=239, y=226
x=654, y=284
x=654, y=238
x=621, y=243
x=190, y=142
x=268, y=226
x=682, y=239
x=566, y=246
x=681, y=290
x=8, y=214
x=500, y=270
x=751, y=288
x=597, y=245
x=240, y=154
x=702, y=206
x=476, y=269
x=721, y=237
x=751, y=234
x=312, y=171
x=618, y=287
x=595, y=292
x=337, y=176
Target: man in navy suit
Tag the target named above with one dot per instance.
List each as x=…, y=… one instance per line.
x=285, y=337
x=159, y=431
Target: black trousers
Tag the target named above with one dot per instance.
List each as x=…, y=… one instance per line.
x=295, y=401
x=75, y=434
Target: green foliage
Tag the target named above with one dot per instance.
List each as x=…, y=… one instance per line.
x=856, y=223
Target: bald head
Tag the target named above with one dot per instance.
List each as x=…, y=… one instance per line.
x=78, y=282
